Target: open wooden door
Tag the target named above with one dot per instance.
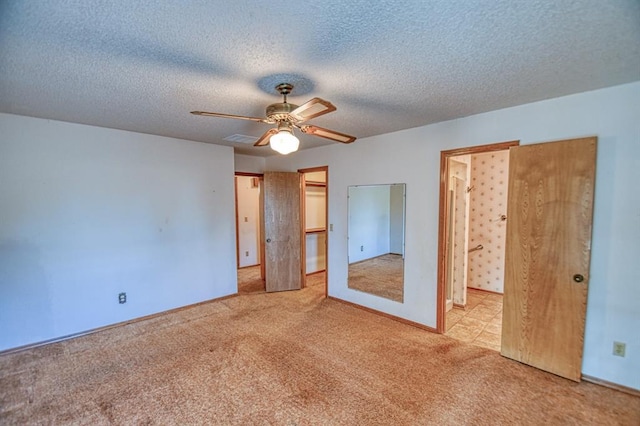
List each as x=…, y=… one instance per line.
x=282, y=231
x=548, y=250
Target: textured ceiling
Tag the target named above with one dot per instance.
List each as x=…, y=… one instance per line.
x=386, y=65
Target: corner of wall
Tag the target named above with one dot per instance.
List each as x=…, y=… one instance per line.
x=249, y=163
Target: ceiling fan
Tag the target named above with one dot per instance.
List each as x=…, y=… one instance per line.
x=287, y=116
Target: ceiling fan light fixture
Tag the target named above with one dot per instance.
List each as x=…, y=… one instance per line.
x=287, y=116
x=284, y=142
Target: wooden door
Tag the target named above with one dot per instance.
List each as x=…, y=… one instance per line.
x=548, y=249
x=282, y=231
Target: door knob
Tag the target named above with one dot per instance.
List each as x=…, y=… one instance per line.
x=578, y=278
x=268, y=240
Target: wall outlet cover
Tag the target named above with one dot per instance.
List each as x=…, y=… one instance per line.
x=619, y=348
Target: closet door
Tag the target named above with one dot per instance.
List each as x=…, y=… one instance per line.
x=282, y=231
x=548, y=250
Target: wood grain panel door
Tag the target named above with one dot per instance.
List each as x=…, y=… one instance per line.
x=282, y=231
x=548, y=250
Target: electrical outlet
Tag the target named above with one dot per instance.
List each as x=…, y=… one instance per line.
x=246, y=219
x=361, y=248
x=619, y=348
x=122, y=298
x=246, y=254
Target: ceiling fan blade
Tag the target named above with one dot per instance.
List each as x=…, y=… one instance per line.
x=217, y=114
x=264, y=139
x=312, y=109
x=326, y=133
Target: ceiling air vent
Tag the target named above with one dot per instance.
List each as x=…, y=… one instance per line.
x=241, y=138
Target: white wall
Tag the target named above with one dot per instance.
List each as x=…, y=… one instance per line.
x=315, y=217
x=88, y=212
x=368, y=222
x=248, y=163
x=315, y=260
x=314, y=206
x=612, y=114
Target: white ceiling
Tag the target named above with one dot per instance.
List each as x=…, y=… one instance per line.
x=386, y=65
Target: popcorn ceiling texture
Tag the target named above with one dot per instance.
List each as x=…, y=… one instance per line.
x=142, y=66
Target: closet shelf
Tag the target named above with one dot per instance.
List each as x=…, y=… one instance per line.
x=315, y=230
x=314, y=183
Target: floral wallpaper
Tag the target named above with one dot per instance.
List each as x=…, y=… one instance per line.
x=487, y=220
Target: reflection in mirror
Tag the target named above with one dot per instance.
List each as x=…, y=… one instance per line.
x=376, y=239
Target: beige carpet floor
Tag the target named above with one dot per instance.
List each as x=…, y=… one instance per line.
x=249, y=280
x=382, y=276
x=291, y=358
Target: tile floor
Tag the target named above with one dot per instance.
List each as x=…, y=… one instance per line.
x=480, y=322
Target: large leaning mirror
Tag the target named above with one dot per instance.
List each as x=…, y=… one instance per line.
x=376, y=239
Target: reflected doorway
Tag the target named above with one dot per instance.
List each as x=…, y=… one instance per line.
x=250, y=228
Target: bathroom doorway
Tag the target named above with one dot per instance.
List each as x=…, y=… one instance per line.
x=473, y=211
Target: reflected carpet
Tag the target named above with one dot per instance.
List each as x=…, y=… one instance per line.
x=382, y=276
x=249, y=280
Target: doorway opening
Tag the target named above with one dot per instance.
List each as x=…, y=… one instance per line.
x=252, y=202
x=249, y=243
x=315, y=212
x=473, y=203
